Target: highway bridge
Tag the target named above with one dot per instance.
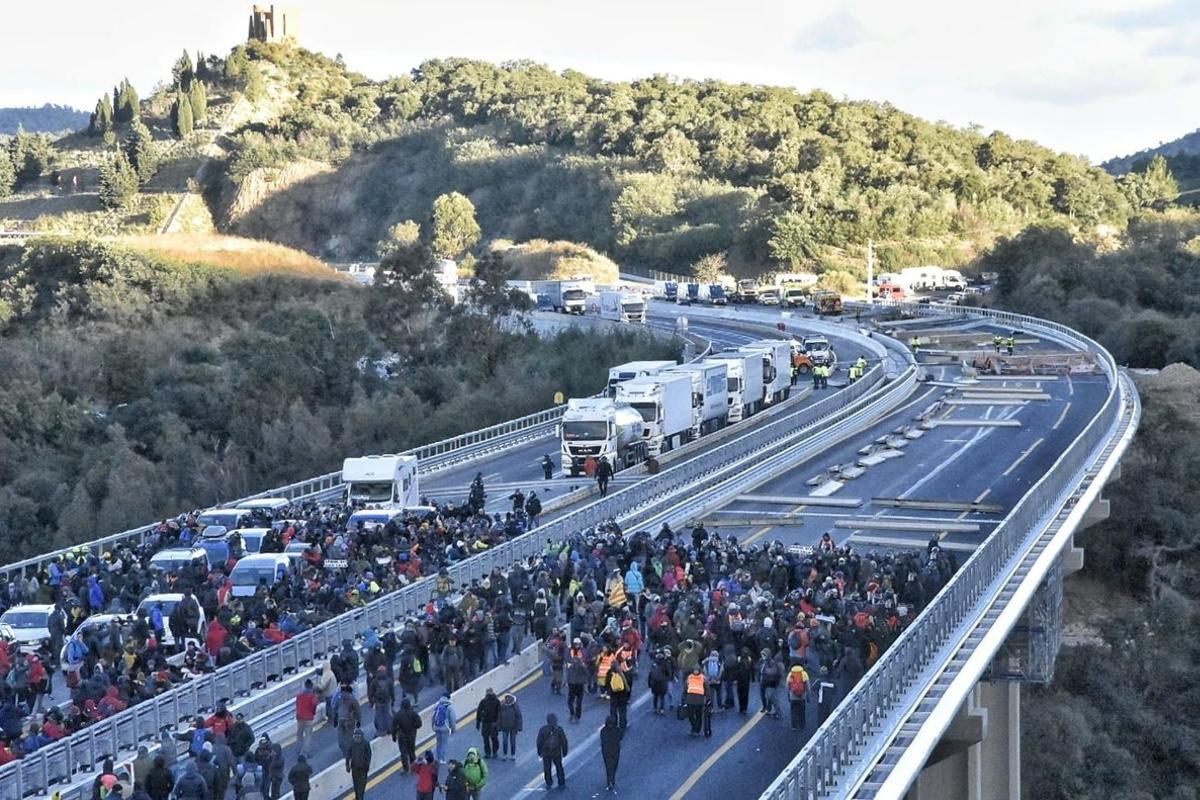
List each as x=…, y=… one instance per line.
x=999, y=471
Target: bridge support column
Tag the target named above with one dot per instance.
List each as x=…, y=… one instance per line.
x=1072, y=556
x=979, y=758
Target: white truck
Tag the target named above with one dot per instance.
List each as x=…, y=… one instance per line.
x=599, y=428
x=381, y=481
x=777, y=367
x=710, y=394
x=623, y=307
x=665, y=403
x=567, y=296
x=745, y=383
x=634, y=369
x=929, y=278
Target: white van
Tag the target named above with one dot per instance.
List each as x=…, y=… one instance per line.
x=169, y=601
x=274, y=505
x=253, y=570
x=228, y=518
x=252, y=539
x=28, y=625
x=175, y=558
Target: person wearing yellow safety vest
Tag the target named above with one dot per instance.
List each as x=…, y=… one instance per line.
x=997, y=340
x=915, y=344
x=695, y=695
x=816, y=373
x=1011, y=342
x=861, y=363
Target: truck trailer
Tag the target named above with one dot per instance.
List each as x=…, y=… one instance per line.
x=631, y=370
x=665, y=403
x=623, y=307
x=382, y=481
x=566, y=296
x=601, y=429
x=777, y=368
x=745, y=383
x=710, y=394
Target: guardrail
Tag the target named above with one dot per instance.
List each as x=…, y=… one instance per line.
x=844, y=747
x=57, y=762
x=432, y=457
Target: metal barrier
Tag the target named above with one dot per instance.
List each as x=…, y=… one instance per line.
x=58, y=762
x=839, y=753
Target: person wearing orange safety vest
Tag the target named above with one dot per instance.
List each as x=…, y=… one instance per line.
x=694, y=697
x=603, y=664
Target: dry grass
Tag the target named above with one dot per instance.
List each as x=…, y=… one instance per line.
x=538, y=259
x=248, y=257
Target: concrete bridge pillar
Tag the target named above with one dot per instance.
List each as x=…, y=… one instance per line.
x=979, y=757
x=1098, y=511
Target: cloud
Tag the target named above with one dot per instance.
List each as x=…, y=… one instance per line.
x=1082, y=88
x=1167, y=15
x=840, y=30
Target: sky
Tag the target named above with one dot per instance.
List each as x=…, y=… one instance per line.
x=1093, y=77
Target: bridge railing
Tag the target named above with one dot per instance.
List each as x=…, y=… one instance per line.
x=56, y=763
x=833, y=754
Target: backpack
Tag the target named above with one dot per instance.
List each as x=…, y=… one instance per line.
x=553, y=743
x=76, y=651
x=770, y=673
x=798, y=682
x=197, y=745
x=616, y=682
x=712, y=668
x=441, y=716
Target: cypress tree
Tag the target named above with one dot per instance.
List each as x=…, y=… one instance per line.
x=102, y=118
x=181, y=115
x=8, y=175
x=141, y=151
x=127, y=109
x=198, y=97
x=118, y=182
x=183, y=71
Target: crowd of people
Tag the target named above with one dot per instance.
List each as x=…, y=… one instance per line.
x=111, y=666
x=695, y=615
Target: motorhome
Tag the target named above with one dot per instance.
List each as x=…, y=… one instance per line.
x=383, y=480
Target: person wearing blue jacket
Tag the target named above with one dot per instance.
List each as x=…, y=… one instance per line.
x=634, y=586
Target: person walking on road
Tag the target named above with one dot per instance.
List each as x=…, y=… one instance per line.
x=487, y=720
x=694, y=696
x=299, y=776
x=455, y=786
x=619, y=692
x=405, y=724
x=358, y=763
x=610, y=748
x=604, y=473
x=826, y=691
x=797, y=686
x=444, y=723
x=552, y=747
x=426, y=771
x=510, y=725
x=577, y=678
x=547, y=467
x=306, y=713
x=769, y=676
x=533, y=508
x=475, y=771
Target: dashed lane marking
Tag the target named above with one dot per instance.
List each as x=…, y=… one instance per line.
x=1022, y=457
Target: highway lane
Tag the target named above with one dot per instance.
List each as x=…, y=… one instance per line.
x=660, y=758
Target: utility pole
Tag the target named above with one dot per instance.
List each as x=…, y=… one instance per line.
x=870, y=270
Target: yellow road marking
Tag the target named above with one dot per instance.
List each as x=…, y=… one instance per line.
x=1023, y=456
x=1061, y=417
x=695, y=777
x=759, y=533
x=462, y=722
x=964, y=514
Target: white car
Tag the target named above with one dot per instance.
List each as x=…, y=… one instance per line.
x=169, y=601
x=28, y=625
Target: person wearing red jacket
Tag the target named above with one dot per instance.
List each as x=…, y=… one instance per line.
x=427, y=776
x=306, y=713
x=215, y=637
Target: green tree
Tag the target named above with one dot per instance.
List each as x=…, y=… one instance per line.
x=31, y=155
x=710, y=268
x=401, y=235
x=181, y=116
x=198, y=97
x=255, y=88
x=236, y=64
x=183, y=72
x=8, y=175
x=407, y=300
x=118, y=182
x=141, y=151
x=673, y=153
x=102, y=118
x=792, y=241
x=1152, y=188
x=127, y=106
x=453, y=230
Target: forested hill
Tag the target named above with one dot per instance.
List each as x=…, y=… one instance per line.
x=47, y=119
x=656, y=171
x=1186, y=145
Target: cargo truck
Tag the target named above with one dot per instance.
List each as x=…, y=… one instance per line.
x=827, y=303
x=381, y=481
x=566, y=296
x=689, y=294
x=671, y=291
x=631, y=370
x=716, y=295
x=744, y=384
x=623, y=307
x=665, y=403
x=777, y=368
x=710, y=394
x=747, y=291
x=599, y=428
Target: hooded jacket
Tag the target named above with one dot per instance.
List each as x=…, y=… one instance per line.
x=475, y=769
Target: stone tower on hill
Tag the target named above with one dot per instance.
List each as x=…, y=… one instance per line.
x=274, y=23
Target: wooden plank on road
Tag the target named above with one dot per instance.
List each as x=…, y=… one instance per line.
x=937, y=505
x=975, y=423
x=884, y=524
x=805, y=500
